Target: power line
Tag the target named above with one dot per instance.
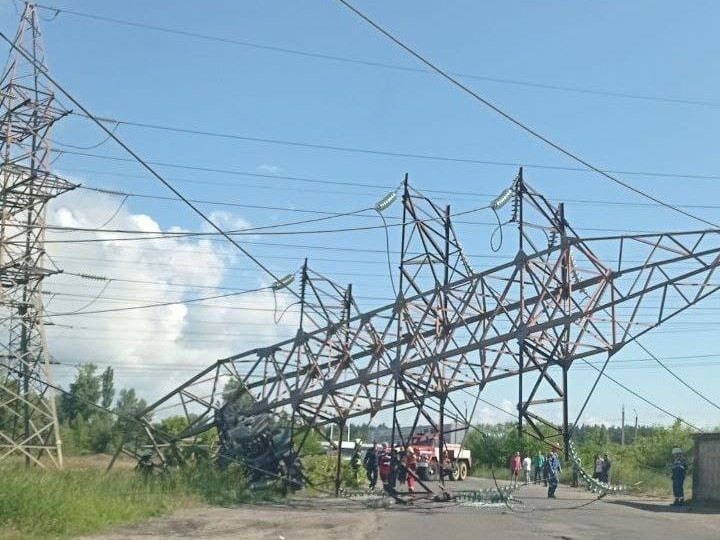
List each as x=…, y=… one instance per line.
x=327, y=216
x=160, y=304
x=352, y=149
x=251, y=231
x=677, y=377
x=372, y=63
x=656, y=406
x=464, y=194
x=518, y=123
x=136, y=157
x=354, y=183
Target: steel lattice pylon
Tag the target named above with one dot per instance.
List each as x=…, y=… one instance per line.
x=452, y=328
x=28, y=420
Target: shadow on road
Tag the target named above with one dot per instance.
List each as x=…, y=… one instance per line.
x=656, y=507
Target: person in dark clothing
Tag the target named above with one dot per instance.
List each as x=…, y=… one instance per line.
x=370, y=462
x=553, y=470
x=546, y=469
x=355, y=461
x=679, y=470
x=607, y=466
x=539, y=467
x=401, y=468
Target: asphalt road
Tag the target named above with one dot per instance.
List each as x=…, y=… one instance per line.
x=575, y=514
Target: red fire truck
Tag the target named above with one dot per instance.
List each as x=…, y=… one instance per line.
x=456, y=464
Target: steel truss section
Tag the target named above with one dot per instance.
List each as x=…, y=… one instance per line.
x=561, y=298
x=28, y=420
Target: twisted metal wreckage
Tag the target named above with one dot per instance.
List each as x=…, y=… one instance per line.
x=450, y=329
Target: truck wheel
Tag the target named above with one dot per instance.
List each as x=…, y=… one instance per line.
x=455, y=473
x=463, y=470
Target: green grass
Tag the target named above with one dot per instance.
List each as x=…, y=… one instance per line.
x=37, y=504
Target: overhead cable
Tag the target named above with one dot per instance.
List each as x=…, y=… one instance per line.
x=573, y=156
x=540, y=166
x=371, y=63
x=162, y=304
x=136, y=157
x=677, y=377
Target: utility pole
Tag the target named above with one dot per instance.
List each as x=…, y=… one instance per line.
x=622, y=427
x=635, y=434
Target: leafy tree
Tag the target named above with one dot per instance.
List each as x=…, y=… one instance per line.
x=107, y=388
x=127, y=408
x=84, y=392
x=173, y=425
x=100, y=433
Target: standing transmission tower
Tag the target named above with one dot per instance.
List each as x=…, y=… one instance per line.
x=28, y=110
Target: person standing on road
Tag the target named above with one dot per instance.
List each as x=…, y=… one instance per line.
x=355, y=461
x=370, y=462
x=539, y=467
x=575, y=474
x=679, y=470
x=401, y=466
x=607, y=466
x=515, y=466
x=599, y=463
x=546, y=469
x=527, y=467
x=384, y=462
x=411, y=465
x=553, y=469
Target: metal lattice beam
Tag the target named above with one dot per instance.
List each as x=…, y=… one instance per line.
x=560, y=299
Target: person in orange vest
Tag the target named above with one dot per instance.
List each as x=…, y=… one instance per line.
x=411, y=466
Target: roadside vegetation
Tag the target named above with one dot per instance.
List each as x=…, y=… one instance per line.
x=37, y=504
x=643, y=463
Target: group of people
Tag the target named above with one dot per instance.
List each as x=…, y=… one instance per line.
x=391, y=466
x=546, y=469
x=401, y=466
x=603, y=465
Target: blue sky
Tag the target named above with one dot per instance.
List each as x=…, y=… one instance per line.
x=660, y=55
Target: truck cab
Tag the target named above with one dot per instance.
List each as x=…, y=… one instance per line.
x=456, y=464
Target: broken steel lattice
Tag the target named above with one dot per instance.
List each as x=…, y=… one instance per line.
x=452, y=328
x=28, y=110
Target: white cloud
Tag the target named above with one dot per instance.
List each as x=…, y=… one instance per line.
x=272, y=169
x=153, y=349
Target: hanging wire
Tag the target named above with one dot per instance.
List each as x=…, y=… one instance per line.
x=54, y=12
x=114, y=215
x=387, y=251
x=496, y=230
x=93, y=301
x=93, y=146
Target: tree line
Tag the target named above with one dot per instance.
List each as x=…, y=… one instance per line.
x=88, y=426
